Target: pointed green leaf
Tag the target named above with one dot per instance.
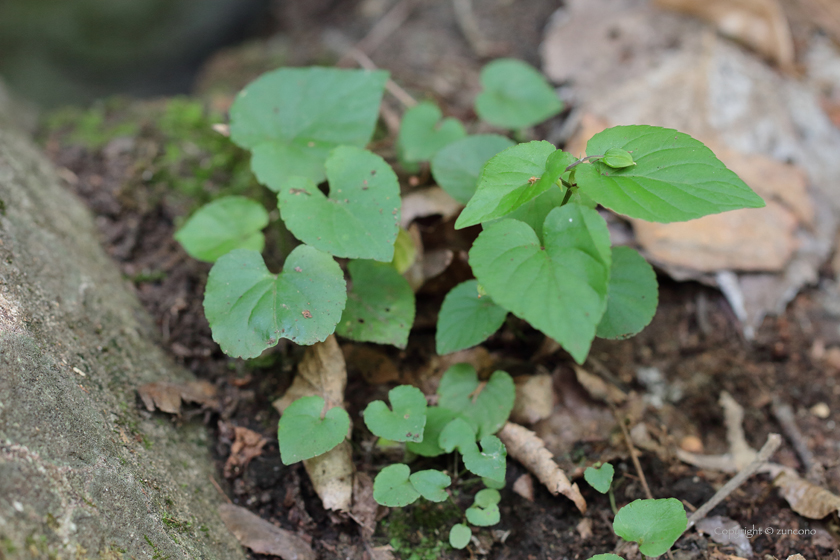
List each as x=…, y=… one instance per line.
x=466, y=319
x=654, y=524
x=676, y=177
x=457, y=434
x=431, y=484
x=601, y=478
x=515, y=95
x=632, y=297
x=361, y=217
x=490, y=461
x=485, y=408
x=618, y=158
x=436, y=420
x=513, y=177
x=484, y=511
x=534, y=212
x=291, y=118
x=392, y=487
x=249, y=309
x=560, y=285
x=459, y=536
x=423, y=132
x=228, y=223
x=380, y=305
x=303, y=434
x=457, y=166
x=407, y=420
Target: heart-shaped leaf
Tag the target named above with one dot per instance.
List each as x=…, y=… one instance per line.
x=457, y=166
x=228, y=223
x=676, y=177
x=291, y=118
x=431, y=484
x=490, y=461
x=513, y=177
x=485, y=406
x=423, y=133
x=457, y=434
x=465, y=319
x=459, y=536
x=436, y=420
x=654, y=524
x=302, y=433
x=392, y=486
x=515, y=95
x=405, y=422
x=380, y=305
x=485, y=510
x=249, y=309
x=632, y=296
x=361, y=217
x=601, y=478
x=559, y=285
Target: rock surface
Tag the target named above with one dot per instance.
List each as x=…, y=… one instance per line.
x=83, y=473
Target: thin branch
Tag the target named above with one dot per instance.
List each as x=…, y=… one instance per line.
x=365, y=62
x=383, y=29
x=634, y=455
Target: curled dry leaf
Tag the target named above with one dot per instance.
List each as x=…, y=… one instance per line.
x=247, y=445
x=534, y=398
x=584, y=528
x=428, y=202
x=426, y=264
x=167, y=396
x=524, y=446
x=263, y=537
x=805, y=498
x=332, y=476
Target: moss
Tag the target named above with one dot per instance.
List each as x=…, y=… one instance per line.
x=420, y=532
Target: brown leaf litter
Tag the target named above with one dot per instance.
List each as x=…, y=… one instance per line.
x=167, y=397
x=247, y=446
x=263, y=537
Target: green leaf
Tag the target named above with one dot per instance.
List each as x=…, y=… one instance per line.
x=457, y=434
x=515, y=95
x=228, y=223
x=436, y=420
x=632, y=297
x=654, y=524
x=534, y=212
x=380, y=305
x=291, y=118
x=392, y=486
x=466, y=319
x=513, y=177
x=485, y=510
x=485, y=408
x=249, y=309
x=618, y=158
x=423, y=133
x=606, y=557
x=490, y=461
x=459, y=536
x=601, y=478
x=494, y=484
x=302, y=433
x=560, y=285
x=431, y=484
x=676, y=177
x=405, y=252
x=457, y=166
x=407, y=420
x=361, y=217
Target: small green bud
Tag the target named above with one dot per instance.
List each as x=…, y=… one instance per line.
x=618, y=158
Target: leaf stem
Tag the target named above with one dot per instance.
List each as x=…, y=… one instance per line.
x=582, y=160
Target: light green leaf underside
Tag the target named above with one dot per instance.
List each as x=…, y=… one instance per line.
x=249, y=309
x=380, y=305
x=361, y=217
x=423, y=132
x=486, y=410
x=392, y=486
x=457, y=166
x=676, y=178
x=436, y=420
x=405, y=422
x=632, y=297
x=654, y=524
x=228, y=223
x=303, y=434
x=515, y=95
x=466, y=319
x=291, y=118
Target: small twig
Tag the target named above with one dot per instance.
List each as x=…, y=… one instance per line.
x=633, y=454
x=219, y=488
x=784, y=415
x=770, y=447
x=365, y=62
x=383, y=29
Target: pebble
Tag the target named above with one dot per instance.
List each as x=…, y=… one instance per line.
x=821, y=410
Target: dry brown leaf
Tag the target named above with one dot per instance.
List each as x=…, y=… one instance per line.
x=759, y=24
x=382, y=553
x=805, y=498
x=534, y=398
x=247, y=445
x=524, y=486
x=263, y=537
x=428, y=202
x=332, y=476
x=584, y=528
x=598, y=388
x=524, y=446
x=364, y=508
x=167, y=396
x=322, y=373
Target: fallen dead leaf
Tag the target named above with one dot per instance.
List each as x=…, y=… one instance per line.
x=382, y=553
x=524, y=486
x=524, y=446
x=724, y=530
x=247, y=445
x=428, y=202
x=426, y=264
x=534, y=398
x=598, y=388
x=584, y=528
x=263, y=537
x=167, y=396
x=364, y=508
x=332, y=476
x=805, y=498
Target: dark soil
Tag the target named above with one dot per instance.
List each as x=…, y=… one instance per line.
x=694, y=342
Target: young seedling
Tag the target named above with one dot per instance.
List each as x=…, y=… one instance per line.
x=405, y=422
x=485, y=510
x=228, y=223
x=600, y=478
x=654, y=524
x=459, y=536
